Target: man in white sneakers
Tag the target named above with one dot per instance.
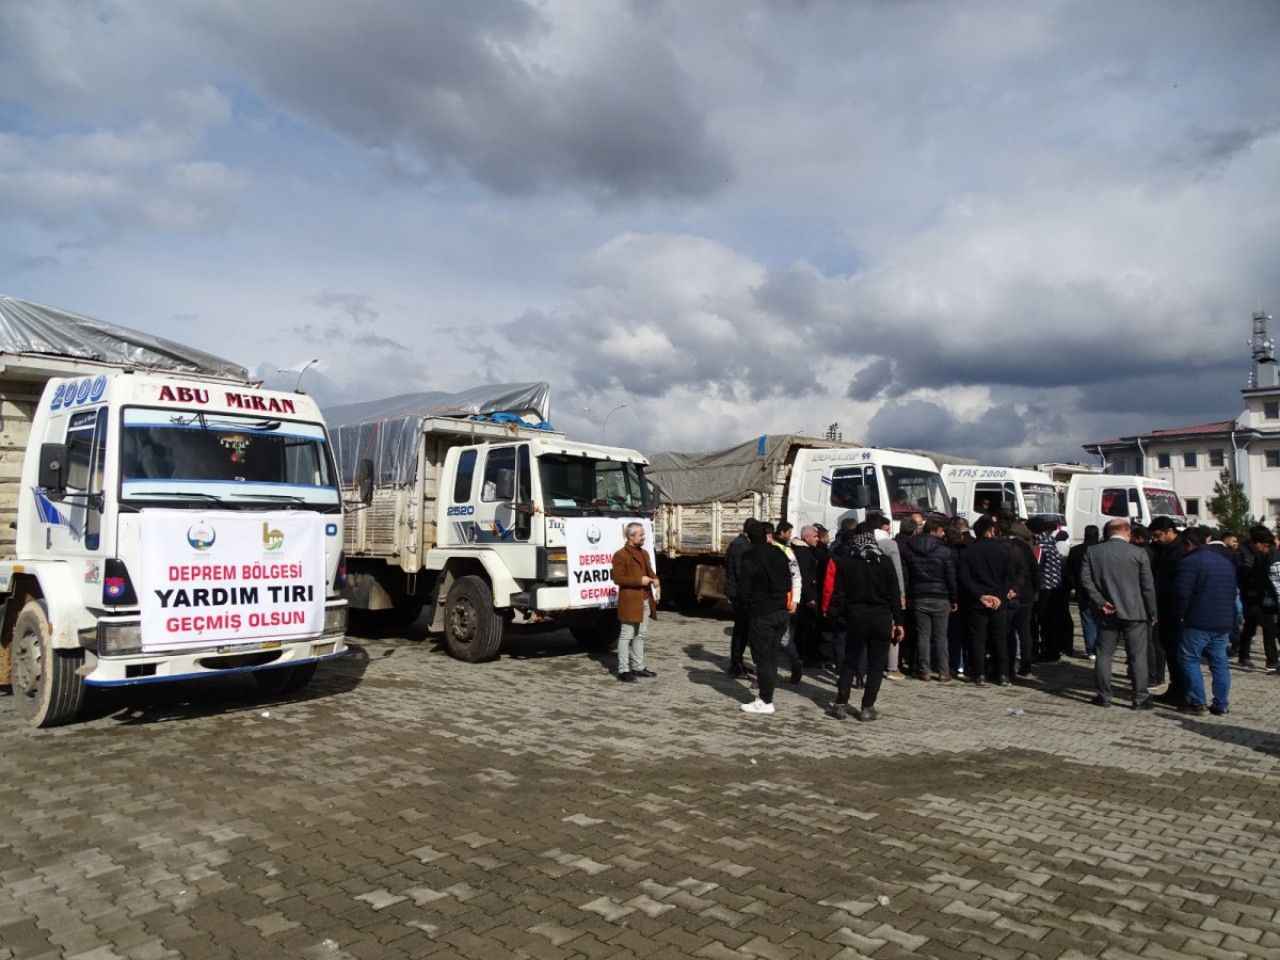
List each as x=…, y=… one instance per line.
x=765, y=585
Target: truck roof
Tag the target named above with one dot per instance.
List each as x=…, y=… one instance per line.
x=980, y=472
x=151, y=389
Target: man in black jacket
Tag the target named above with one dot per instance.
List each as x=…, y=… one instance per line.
x=1074, y=567
x=811, y=559
x=986, y=582
x=867, y=600
x=764, y=580
x=1259, y=597
x=930, y=571
x=1167, y=550
x=732, y=588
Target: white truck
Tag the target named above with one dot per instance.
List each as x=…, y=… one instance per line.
x=706, y=497
x=166, y=525
x=1022, y=493
x=1095, y=498
x=480, y=513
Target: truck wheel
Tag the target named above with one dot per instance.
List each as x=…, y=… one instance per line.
x=284, y=680
x=595, y=632
x=472, y=628
x=47, y=689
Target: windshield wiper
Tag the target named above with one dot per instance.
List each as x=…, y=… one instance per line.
x=178, y=495
x=273, y=496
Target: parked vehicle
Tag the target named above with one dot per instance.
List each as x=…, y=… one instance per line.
x=167, y=525
x=482, y=515
x=1023, y=493
x=705, y=498
x=1095, y=498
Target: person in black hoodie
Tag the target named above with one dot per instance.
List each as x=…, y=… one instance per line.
x=866, y=597
x=986, y=583
x=930, y=569
x=1167, y=550
x=764, y=584
x=1259, y=597
x=1025, y=572
x=958, y=540
x=738, y=548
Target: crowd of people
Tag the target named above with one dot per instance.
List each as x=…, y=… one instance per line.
x=941, y=603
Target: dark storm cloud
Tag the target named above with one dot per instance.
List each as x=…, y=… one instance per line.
x=461, y=86
x=924, y=425
x=871, y=381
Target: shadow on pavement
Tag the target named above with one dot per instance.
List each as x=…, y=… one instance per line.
x=1257, y=740
x=215, y=696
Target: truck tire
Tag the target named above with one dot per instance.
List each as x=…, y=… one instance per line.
x=47, y=689
x=284, y=680
x=595, y=633
x=472, y=627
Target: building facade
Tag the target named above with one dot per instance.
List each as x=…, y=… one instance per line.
x=1192, y=458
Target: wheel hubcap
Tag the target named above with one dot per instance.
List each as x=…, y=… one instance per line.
x=463, y=619
x=26, y=665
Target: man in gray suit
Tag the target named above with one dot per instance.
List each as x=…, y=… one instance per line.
x=1117, y=580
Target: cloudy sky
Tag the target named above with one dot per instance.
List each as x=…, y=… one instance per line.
x=997, y=229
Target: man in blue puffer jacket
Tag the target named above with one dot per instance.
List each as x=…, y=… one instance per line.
x=1206, y=593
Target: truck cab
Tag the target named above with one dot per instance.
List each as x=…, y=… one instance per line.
x=170, y=528
x=1025, y=494
x=1093, y=499
x=829, y=485
x=543, y=517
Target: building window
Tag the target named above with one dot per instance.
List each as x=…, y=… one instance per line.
x=1271, y=409
x=1189, y=459
x=1162, y=461
x=1193, y=507
x=1217, y=458
x=1273, y=458
x=1273, y=509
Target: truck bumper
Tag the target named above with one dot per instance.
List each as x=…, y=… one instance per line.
x=217, y=661
x=555, y=599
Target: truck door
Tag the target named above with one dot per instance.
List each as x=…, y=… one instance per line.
x=77, y=526
x=854, y=490
x=503, y=520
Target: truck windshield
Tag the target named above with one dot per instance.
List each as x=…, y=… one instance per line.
x=911, y=490
x=1040, y=499
x=1163, y=503
x=577, y=486
x=175, y=455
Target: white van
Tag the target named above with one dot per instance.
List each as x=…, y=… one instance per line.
x=1023, y=493
x=1095, y=498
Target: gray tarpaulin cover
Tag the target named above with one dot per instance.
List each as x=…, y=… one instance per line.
x=29, y=328
x=725, y=474
x=386, y=431
x=731, y=474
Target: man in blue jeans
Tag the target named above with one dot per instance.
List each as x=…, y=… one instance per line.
x=1205, y=586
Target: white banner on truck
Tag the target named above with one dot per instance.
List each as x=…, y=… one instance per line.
x=222, y=578
x=591, y=543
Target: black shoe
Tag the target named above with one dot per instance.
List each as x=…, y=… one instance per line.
x=1144, y=705
x=867, y=714
x=1195, y=709
x=1098, y=701
x=797, y=674
x=627, y=677
x=838, y=711
x=1218, y=711
x=643, y=673
x=737, y=670
x=1002, y=682
x=980, y=681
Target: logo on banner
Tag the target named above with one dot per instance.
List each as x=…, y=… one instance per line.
x=593, y=534
x=272, y=540
x=201, y=536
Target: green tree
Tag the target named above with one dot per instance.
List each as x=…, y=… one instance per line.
x=1230, y=506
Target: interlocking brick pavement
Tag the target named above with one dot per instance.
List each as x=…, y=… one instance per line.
x=409, y=805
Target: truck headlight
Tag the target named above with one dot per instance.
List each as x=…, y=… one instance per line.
x=119, y=639
x=335, y=621
x=558, y=564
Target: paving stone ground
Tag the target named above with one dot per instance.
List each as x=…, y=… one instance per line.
x=408, y=805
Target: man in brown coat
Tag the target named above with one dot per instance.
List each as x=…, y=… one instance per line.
x=633, y=573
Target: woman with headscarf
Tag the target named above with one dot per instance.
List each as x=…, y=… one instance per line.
x=866, y=598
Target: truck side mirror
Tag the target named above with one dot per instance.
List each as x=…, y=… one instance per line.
x=1135, y=511
x=364, y=481
x=860, y=498
x=955, y=507
x=52, y=477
